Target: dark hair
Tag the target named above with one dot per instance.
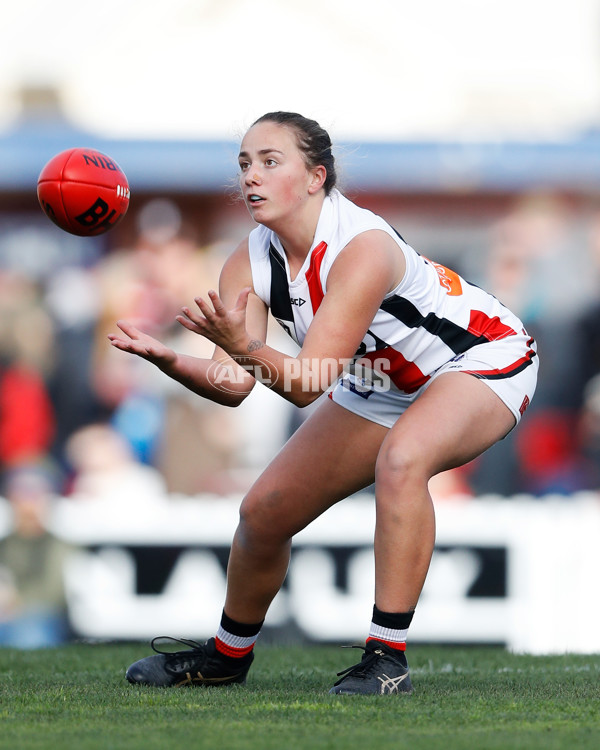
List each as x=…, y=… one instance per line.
x=313, y=141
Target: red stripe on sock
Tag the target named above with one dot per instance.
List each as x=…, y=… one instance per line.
x=236, y=653
x=399, y=646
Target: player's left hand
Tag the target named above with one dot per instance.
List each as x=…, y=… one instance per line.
x=225, y=328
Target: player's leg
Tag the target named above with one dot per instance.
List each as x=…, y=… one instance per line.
x=452, y=422
x=331, y=456
x=455, y=420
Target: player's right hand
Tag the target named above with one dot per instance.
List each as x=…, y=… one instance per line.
x=137, y=342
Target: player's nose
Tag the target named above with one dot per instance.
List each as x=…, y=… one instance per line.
x=253, y=177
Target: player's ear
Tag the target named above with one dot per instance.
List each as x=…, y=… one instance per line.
x=319, y=175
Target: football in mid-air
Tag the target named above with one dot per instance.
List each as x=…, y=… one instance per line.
x=83, y=191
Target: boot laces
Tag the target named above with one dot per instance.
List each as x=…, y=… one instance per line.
x=194, y=645
x=178, y=661
x=365, y=666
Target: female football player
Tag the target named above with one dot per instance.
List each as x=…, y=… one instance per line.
x=424, y=371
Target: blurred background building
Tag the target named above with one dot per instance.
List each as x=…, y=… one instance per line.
x=474, y=128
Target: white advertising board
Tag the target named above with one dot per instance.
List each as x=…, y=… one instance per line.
x=520, y=572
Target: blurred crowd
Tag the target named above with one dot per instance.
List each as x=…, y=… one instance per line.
x=544, y=263
x=80, y=419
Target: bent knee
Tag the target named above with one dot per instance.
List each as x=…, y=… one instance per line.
x=401, y=463
x=260, y=518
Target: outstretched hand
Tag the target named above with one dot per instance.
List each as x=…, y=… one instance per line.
x=136, y=342
x=225, y=328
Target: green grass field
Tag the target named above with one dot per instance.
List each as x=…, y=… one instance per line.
x=76, y=697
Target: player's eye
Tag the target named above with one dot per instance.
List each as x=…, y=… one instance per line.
x=244, y=165
x=270, y=162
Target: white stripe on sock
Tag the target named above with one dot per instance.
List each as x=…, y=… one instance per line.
x=388, y=634
x=235, y=641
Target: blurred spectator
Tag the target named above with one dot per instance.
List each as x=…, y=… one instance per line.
x=72, y=299
x=27, y=418
x=589, y=430
x=32, y=599
x=105, y=469
x=550, y=455
x=578, y=351
x=539, y=265
x=587, y=332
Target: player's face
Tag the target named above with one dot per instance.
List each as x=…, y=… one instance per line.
x=274, y=178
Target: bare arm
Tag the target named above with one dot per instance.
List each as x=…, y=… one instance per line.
x=364, y=272
x=220, y=378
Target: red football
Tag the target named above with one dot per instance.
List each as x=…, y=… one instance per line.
x=83, y=191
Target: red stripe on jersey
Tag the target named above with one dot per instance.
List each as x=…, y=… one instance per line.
x=405, y=375
x=313, y=276
x=492, y=329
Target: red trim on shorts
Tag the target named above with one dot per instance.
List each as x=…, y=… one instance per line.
x=313, y=276
x=505, y=372
x=236, y=653
x=397, y=645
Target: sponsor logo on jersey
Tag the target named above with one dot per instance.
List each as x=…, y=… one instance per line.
x=449, y=279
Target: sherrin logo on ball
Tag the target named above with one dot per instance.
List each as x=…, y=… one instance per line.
x=83, y=191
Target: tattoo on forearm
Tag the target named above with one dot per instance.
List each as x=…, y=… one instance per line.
x=254, y=345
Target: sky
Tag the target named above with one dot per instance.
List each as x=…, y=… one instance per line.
x=385, y=69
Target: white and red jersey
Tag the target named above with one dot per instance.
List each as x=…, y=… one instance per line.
x=432, y=316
